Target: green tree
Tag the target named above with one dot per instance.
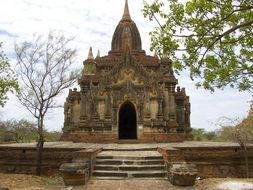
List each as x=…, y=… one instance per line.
x=46, y=69
x=52, y=136
x=210, y=136
x=212, y=38
x=8, y=81
x=198, y=134
x=18, y=131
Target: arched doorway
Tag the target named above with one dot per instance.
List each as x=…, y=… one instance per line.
x=127, y=121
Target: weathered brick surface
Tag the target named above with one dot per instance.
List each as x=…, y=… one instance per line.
x=87, y=155
x=75, y=173
x=182, y=174
x=212, y=161
x=171, y=154
x=113, y=138
x=23, y=159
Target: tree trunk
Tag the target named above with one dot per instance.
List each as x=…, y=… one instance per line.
x=40, y=147
x=245, y=151
x=39, y=155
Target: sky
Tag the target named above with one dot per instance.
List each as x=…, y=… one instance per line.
x=92, y=23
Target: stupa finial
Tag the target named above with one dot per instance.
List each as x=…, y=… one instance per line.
x=126, y=15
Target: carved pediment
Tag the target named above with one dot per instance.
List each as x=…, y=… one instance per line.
x=128, y=75
x=127, y=70
x=129, y=78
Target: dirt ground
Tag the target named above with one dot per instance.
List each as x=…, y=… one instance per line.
x=30, y=182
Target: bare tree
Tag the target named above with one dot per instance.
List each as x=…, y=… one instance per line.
x=241, y=137
x=45, y=69
x=240, y=133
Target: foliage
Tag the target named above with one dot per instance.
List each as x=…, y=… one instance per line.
x=18, y=131
x=51, y=136
x=8, y=81
x=45, y=69
x=198, y=134
x=23, y=131
x=212, y=38
x=230, y=130
x=202, y=135
x=225, y=133
x=235, y=129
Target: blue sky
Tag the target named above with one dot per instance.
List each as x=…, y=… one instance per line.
x=92, y=23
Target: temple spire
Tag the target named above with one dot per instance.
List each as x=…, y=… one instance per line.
x=90, y=55
x=126, y=15
x=98, y=54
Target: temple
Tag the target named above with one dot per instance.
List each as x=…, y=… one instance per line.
x=127, y=95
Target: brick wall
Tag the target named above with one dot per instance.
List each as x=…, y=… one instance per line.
x=93, y=137
x=212, y=161
x=23, y=159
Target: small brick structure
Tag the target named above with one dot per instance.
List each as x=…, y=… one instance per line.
x=76, y=173
x=182, y=174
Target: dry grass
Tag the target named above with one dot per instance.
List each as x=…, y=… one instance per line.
x=30, y=182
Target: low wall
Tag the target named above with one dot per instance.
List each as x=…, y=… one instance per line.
x=23, y=159
x=212, y=161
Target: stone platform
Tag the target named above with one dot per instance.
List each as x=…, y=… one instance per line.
x=212, y=159
x=122, y=145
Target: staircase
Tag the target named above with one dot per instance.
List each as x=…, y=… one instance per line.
x=129, y=164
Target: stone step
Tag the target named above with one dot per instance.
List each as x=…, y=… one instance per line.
x=108, y=178
x=129, y=167
x=129, y=153
x=122, y=157
x=129, y=149
x=130, y=174
x=123, y=178
x=129, y=162
x=126, y=141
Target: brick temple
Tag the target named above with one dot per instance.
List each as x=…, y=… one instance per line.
x=127, y=95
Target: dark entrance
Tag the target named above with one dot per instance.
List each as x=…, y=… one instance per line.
x=127, y=121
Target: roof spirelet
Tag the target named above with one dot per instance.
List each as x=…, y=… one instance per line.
x=90, y=55
x=98, y=54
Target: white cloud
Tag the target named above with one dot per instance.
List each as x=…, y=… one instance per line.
x=93, y=22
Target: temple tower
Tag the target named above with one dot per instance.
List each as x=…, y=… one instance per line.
x=127, y=95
